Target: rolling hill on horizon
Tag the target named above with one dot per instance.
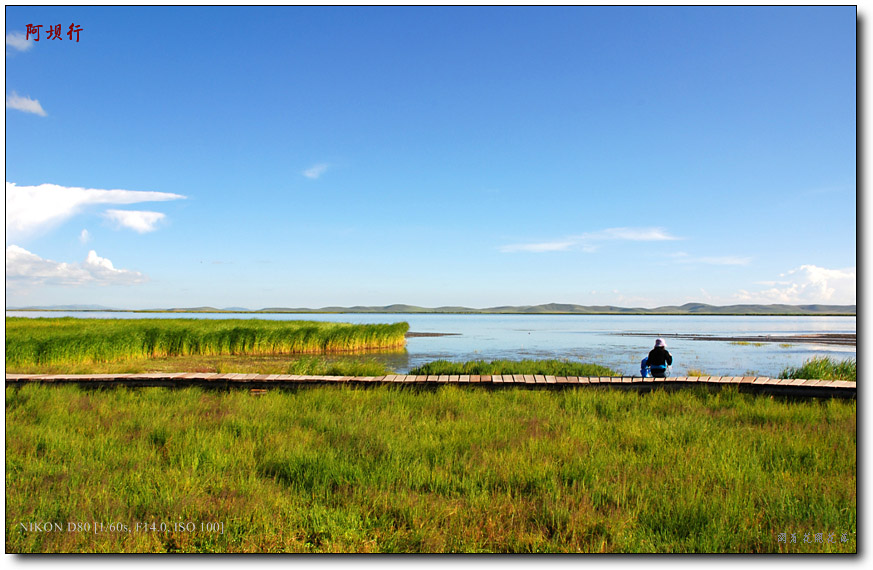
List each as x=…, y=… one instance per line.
x=566, y=308
x=544, y=309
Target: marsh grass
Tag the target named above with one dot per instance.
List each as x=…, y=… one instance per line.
x=70, y=341
x=341, y=469
x=824, y=368
x=542, y=367
x=340, y=365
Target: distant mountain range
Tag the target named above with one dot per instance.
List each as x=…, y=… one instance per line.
x=547, y=309
x=63, y=308
x=564, y=308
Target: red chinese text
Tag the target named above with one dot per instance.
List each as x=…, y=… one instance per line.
x=54, y=32
x=77, y=30
x=34, y=30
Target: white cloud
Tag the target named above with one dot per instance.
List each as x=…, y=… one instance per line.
x=26, y=104
x=32, y=209
x=630, y=234
x=724, y=260
x=683, y=257
x=589, y=241
x=704, y=297
x=24, y=268
x=136, y=220
x=84, y=237
x=316, y=170
x=633, y=300
x=538, y=247
x=808, y=284
x=18, y=41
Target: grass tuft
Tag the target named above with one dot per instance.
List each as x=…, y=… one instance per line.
x=824, y=368
x=497, y=367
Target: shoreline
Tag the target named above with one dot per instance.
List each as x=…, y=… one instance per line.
x=842, y=339
x=429, y=334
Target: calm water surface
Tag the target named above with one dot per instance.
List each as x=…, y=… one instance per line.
x=600, y=339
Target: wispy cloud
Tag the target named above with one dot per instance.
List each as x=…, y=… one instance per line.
x=136, y=220
x=682, y=257
x=630, y=234
x=33, y=209
x=25, y=104
x=316, y=170
x=85, y=236
x=24, y=268
x=724, y=260
x=590, y=241
x=807, y=284
x=17, y=41
x=538, y=247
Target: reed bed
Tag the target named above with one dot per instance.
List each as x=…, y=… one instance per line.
x=70, y=341
x=543, y=367
x=386, y=469
x=824, y=368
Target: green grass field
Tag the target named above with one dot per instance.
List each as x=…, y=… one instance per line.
x=340, y=469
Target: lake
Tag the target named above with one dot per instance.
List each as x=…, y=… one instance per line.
x=616, y=341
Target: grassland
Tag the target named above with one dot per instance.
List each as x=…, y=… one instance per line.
x=340, y=469
x=69, y=342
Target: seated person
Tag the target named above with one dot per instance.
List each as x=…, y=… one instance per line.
x=659, y=359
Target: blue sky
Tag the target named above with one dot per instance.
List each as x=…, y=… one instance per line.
x=306, y=157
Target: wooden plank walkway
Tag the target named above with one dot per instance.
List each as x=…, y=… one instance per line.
x=791, y=387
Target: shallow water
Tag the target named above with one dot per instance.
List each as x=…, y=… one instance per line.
x=599, y=339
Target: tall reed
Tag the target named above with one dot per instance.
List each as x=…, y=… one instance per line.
x=73, y=341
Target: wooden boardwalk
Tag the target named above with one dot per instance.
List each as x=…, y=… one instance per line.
x=259, y=382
